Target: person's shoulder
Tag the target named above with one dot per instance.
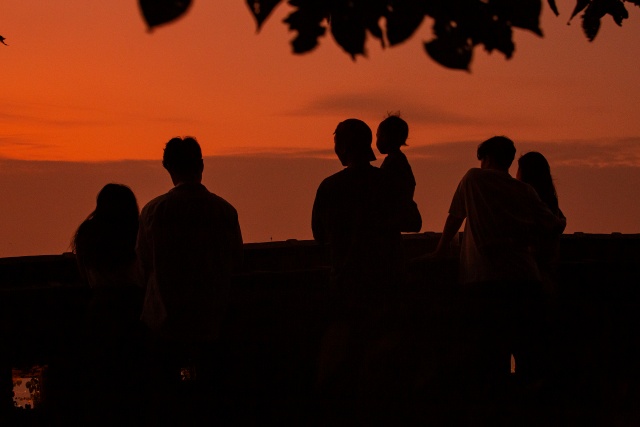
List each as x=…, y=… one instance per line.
x=396, y=157
x=473, y=173
x=153, y=203
x=335, y=179
x=401, y=157
x=473, y=178
x=532, y=195
x=221, y=202
x=524, y=187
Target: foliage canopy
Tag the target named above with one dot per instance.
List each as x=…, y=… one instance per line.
x=458, y=25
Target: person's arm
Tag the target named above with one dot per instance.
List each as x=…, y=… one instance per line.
x=451, y=227
x=547, y=220
x=457, y=215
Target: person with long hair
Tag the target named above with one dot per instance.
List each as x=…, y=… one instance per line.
x=105, y=243
x=501, y=293
x=111, y=348
x=534, y=169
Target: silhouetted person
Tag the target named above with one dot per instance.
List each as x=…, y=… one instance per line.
x=534, y=169
x=353, y=216
x=498, y=272
x=392, y=134
x=104, y=245
x=189, y=243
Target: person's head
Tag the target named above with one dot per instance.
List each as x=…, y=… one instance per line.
x=352, y=139
x=113, y=227
x=183, y=160
x=117, y=202
x=497, y=152
x=534, y=169
x=392, y=133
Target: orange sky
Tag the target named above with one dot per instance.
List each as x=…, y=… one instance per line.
x=84, y=81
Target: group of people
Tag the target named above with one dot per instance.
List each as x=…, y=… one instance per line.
x=507, y=256
x=171, y=265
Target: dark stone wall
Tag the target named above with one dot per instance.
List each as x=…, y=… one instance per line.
x=278, y=314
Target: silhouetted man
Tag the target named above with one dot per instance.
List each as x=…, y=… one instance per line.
x=497, y=269
x=353, y=215
x=189, y=243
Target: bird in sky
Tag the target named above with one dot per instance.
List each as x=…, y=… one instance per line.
x=2, y=41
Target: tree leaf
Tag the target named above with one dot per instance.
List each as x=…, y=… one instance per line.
x=402, y=20
x=518, y=13
x=591, y=18
x=348, y=27
x=158, y=12
x=307, y=23
x=554, y=8
x=580, y=5
x=451, y=48
x=373, y=11
x=616, y=9
x=498, y=35
x=526, y=14
x=261, y=9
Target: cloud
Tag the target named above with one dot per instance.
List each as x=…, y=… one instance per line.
x=59, y=116
x=276, y=152
x=378, y=105
x=22, y=142
x=612, y=152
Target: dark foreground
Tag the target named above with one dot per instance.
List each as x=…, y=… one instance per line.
x=266, y=366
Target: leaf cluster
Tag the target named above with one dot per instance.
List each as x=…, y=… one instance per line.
x=595, y=10
x=459, y=26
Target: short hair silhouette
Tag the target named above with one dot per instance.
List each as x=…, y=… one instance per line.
x=534, y=169
x=356, y=137
x=395, y=128
x=182, y=156
x=500, y=148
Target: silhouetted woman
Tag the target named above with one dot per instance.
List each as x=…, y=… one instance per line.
x=104, y=245
x=534, y=169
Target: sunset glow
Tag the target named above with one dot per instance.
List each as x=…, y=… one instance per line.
x=86, y=82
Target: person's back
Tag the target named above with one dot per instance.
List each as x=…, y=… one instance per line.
x=104, y=243
x=502, y=217
x=534, y=169
x=189, y=243
x=501, y=293
x=110, y=350
x=352, y=215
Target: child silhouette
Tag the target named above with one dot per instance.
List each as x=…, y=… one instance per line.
x=391, y=135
